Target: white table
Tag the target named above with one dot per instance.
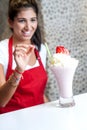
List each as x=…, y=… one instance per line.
x=48, y=117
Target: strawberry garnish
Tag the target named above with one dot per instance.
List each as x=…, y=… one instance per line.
x=62, y=49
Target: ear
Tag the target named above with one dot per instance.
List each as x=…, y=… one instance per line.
x=10, y=22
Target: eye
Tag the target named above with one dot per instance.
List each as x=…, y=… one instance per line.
x=21, y=20
x=33, y=19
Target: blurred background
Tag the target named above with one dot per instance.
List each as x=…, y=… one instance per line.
x=62, y=22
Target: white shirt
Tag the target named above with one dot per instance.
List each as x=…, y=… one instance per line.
x=4, y=56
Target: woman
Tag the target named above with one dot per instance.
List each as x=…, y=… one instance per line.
x=22, y=59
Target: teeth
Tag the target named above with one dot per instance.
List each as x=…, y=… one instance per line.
x=27, y=32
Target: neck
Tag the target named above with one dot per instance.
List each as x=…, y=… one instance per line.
x=18, y=41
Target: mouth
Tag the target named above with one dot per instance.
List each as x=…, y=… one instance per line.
x=26, y=33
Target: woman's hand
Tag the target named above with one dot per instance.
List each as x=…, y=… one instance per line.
x=22, y=54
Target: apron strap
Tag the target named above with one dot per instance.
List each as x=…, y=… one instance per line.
x=38, y=56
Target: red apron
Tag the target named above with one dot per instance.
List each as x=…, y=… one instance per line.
x=31, y=88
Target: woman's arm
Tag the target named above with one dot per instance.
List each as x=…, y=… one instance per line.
x=46, y=99
x=22, y=54
x=7, y=88
x=43, y=55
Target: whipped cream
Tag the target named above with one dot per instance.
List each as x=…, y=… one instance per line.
x=60, y=59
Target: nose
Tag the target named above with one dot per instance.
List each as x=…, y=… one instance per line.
x=28, y=26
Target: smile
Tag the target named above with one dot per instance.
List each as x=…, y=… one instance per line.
x=27, y=33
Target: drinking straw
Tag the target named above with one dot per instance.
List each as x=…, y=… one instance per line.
x=48, y=50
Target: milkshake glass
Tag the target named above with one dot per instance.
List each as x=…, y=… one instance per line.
x=64, y=77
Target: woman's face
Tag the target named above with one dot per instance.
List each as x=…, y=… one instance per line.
x=24, y=25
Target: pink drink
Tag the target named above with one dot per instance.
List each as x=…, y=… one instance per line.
x=64, y=77
x=64, y=73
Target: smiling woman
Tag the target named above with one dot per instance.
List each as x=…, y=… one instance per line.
x=21, y=83
x=25, y=24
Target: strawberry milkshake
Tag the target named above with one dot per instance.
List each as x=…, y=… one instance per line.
x=63, y=66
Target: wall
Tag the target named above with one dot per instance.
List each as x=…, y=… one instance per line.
x=63, y=22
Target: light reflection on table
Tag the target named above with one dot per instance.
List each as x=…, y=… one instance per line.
x=48, y=116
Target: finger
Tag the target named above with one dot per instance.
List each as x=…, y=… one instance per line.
x=21, y=48
x=19, y=53
x=22, y=45
x=30, y=49
x=26, y=48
